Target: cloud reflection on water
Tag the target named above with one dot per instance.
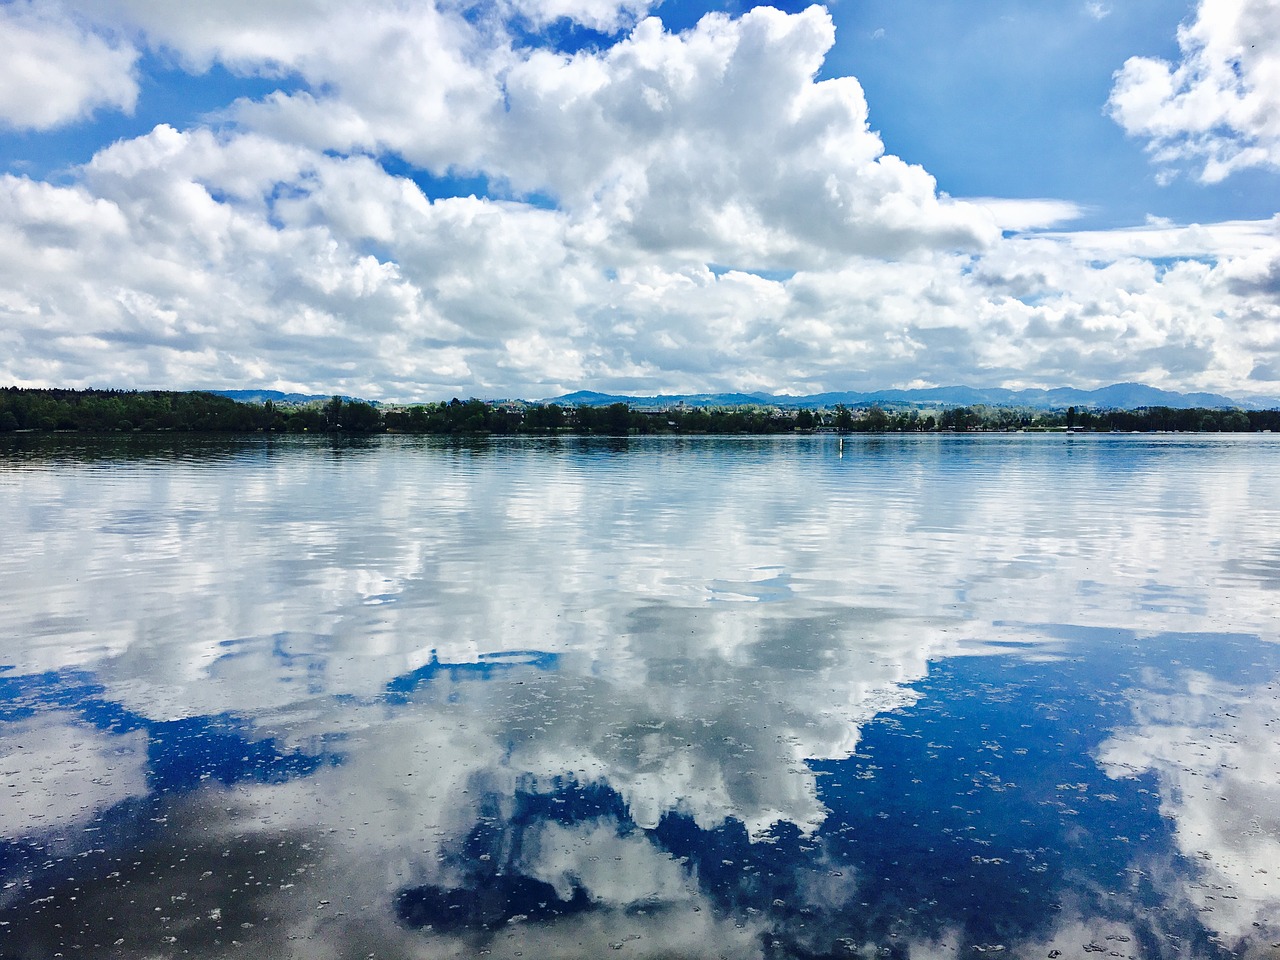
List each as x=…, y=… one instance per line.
x=520, y=652
x=1212, y=743
x=60, y=772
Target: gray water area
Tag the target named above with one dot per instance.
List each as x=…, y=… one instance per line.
x=901, y=696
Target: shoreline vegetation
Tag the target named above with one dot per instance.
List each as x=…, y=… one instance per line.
x=159, y=411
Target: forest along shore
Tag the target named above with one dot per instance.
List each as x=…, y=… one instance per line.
x=105, y=411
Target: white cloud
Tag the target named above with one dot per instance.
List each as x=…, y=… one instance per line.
x=1219, y=106
x=417, y=79
x=1028, y=214
x=719, y=144
x=190, y=259
x=1225, y=240
x=716, y=143
x=208, y=257
x=267, y=254
x=54, y=71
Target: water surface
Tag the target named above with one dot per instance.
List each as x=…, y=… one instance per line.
x=784, y=697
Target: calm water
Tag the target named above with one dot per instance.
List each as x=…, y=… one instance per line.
x=919, y=697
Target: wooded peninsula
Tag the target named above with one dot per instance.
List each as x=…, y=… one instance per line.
x=150, y=411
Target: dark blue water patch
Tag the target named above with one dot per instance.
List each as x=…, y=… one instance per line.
x=24, y=695
x=979, y=808
x=183, y=753
x=496, y=841
x=1112, y=656
x=501, y=899
x=181, y=756
x=160, y=899
x=572, y=802
x=739, y=874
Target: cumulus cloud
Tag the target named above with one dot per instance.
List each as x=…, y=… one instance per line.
x=668, y=212
x=719, y=144
x=54, y=70
x=216, y=259
x=717, y=141
x=192, y=259
x=1218, y=107
x=429, y=97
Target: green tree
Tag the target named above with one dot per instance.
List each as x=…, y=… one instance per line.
x=875, y=421
x=333, y=413
x=617, y=419
x=1234, y=421
x=844, y=419
x=360, y=417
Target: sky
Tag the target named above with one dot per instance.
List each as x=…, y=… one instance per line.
x=410, y=200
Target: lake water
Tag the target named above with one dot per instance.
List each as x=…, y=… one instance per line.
x=781, y=698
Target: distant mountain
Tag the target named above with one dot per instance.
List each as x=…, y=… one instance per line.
x=1260, y=403
x=1118, y=396
x=276, y=396
x=589, y=398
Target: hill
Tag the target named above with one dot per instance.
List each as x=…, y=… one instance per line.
x=1118, y=396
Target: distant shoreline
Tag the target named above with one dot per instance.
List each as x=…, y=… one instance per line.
x=45, y=411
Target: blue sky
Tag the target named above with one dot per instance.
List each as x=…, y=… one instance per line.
x=413, y=201
x=1008, y=98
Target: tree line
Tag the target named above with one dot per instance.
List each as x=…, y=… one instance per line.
x=100, y=411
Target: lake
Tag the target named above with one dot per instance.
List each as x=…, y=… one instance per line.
x=899, y=696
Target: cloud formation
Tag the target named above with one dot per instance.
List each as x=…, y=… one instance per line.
x=54, y=70
x=661, y=212
x=1218, y=107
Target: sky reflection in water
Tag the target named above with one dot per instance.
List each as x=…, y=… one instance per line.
x=919, y=697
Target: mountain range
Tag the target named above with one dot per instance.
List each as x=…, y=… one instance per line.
x=1118, y=396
